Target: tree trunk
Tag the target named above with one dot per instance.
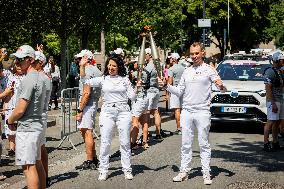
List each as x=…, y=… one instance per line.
x=63, y=62
x=103, y=48
x=85, y=37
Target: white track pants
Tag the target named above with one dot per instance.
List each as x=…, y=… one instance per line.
x=190, y=121
x=109, y=117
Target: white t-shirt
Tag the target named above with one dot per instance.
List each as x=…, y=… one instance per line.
x=115, y=89
x=14, y=80
x=195, y=87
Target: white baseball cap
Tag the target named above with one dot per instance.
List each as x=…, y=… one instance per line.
x=84, y=52
x=148, y=51
x=276, y=56
x=40, y=56
x=175, y=56
x=24, y=51
x=119, y=51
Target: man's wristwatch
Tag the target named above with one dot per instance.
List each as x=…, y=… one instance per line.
x=79, y=111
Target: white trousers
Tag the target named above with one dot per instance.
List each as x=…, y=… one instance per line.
x=190, y=121
x=109, y=117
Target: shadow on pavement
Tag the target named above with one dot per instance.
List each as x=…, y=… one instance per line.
x=246, y=128
x=136, y=170
x=116, y=155
x=61, y=177
x=13, y=172
x=251, y=155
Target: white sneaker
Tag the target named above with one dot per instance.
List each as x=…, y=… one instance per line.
x=102, y=176
x=207, y=179
x=182, y=176
x=128, y=175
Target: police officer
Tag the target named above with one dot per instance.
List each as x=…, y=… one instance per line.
x=87, y=110
x=28, y=113
x=195, y=88
x=116, y=90
x=175, y=73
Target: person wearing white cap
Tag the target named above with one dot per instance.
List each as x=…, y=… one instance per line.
x=5, y=92
x=41, y=61
x=116, y=91
x=175, y=73
x=119, y=51
x=28, y=114
x=14, y=82
x=274, y=103
x=86, y=113
x=195, y=88
x=153, y=94
x=139, y=108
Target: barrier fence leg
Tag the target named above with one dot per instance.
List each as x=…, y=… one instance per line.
x=62, y=140
x=96, y=136
x=71, y=143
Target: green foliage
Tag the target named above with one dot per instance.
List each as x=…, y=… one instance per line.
x=52, y=43
x=174, y=23
x=115, y=39
x=276, y=28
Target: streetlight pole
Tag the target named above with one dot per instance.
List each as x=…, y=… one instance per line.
x=228, y=48
x=204, y=15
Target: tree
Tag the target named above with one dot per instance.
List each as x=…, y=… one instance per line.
x=276, y=28
x=248, y=18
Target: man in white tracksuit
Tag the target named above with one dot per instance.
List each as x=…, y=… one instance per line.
x=195, y=88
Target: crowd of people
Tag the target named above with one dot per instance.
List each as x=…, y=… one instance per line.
x=130, y=94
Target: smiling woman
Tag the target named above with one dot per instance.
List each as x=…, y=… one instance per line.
x=116, y=90
x=115, y=66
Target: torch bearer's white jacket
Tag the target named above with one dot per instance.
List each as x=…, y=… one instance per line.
x=115, y=89
x=195, y=87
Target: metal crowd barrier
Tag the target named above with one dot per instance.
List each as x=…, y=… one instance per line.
x=69, y=105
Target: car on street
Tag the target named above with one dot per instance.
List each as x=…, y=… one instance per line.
x=244, y=99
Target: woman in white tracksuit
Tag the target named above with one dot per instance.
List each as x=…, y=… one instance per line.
x=116, y=90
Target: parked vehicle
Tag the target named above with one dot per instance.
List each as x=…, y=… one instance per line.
x=245, y=99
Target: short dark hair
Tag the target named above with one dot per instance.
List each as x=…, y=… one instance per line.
x=196, y=44
x=121, y=70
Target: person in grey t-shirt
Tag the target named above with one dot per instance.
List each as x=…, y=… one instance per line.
x=28, y=113
x=87, y=110
x=153, y=94
x=175, y=73
x=140, y=108
x=274, y=102
x=41, y=60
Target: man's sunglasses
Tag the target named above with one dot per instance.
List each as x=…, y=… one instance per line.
x=20, y=59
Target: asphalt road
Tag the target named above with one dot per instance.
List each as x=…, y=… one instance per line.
x=237, y=162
